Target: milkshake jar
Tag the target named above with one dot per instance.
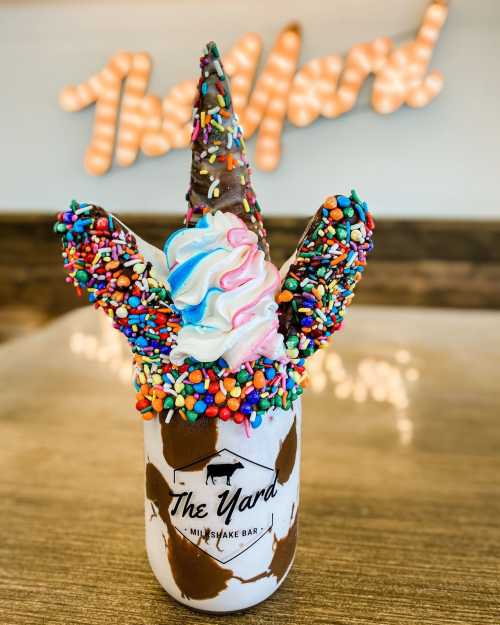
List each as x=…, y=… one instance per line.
x=221, y=508
x=222, y=452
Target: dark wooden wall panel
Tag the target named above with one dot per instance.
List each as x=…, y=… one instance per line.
x=415, y=262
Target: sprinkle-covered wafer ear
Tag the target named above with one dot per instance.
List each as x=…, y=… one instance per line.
x=123, y=275
x=220, y=172
x=320, y=278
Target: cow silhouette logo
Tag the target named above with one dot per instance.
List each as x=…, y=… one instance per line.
x=226, y=470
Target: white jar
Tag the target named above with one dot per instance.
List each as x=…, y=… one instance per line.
x=221, y=507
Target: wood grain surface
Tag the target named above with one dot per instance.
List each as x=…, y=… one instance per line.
x=400, y=510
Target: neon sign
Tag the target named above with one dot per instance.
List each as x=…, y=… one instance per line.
x=128, y=120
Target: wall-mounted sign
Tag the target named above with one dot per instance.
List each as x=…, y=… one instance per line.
x=129, y=120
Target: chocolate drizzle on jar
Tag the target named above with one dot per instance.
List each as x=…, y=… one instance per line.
x=283, y=553
x=285, y=461
x=197, y=575
x=184, y=441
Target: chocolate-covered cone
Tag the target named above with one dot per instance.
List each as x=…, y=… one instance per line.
x=122, y=274
x=320, y=278
x=220, y=172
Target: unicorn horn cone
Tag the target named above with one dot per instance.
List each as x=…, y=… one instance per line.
x=220, y=172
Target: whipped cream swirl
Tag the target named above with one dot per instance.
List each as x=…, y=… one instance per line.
x=224, y=290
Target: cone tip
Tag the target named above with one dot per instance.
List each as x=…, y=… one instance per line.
x=211, y=48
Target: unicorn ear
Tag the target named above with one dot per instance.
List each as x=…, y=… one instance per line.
x=122, y=274
x=220, y=171
x=319, y=279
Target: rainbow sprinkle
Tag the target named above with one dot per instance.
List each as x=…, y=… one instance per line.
x=101, y=256
x=220, y=171
x=320, y=282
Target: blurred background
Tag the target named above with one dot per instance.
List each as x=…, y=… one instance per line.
x=427, y=173
x=400, y=505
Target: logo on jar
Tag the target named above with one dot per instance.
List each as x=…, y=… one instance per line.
x=222, y=470
x=223, y=504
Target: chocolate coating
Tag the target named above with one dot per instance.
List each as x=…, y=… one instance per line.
x=218, y=148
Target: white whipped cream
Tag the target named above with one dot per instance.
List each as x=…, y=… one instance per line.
x=224, y=289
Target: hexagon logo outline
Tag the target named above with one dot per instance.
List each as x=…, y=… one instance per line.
x=247, y=526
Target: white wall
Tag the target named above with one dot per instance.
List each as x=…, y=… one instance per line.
x=440, y=161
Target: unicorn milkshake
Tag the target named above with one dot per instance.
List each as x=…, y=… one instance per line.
x=219, y=341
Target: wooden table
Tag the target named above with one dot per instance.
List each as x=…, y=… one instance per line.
x=400, y=520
